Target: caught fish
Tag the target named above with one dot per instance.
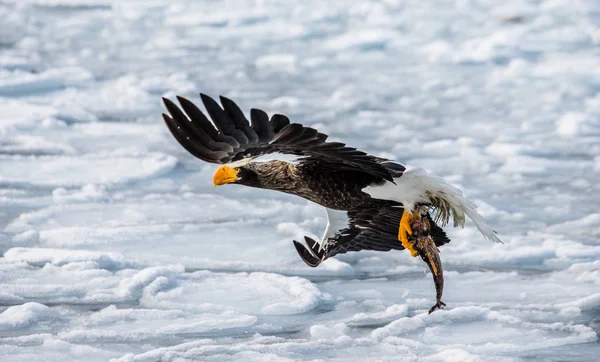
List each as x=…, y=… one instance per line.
x=429, y=252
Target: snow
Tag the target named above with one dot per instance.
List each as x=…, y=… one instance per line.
x=574, y=124
x=121, y=166
x=24, y=315
x=116, y=246
x=43, y=256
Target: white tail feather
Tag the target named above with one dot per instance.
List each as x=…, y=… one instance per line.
x=416, y=186
x=481, y=224
x=449, y=201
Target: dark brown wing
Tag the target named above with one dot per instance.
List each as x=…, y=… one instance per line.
x=369, y=229
x=235, y=138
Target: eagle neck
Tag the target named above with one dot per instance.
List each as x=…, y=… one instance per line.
x=281, y=176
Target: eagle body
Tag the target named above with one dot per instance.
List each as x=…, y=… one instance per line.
x=371, y=203
x=336, y=190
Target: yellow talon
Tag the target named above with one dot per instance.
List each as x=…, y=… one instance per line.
x=404, y=230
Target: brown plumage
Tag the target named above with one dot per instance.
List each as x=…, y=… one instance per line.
x=339, y=190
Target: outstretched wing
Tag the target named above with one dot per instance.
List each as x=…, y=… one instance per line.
x=367, y=229
x=234, y=138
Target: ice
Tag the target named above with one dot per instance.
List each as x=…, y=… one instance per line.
x=25, y=83
x=135, y=286
x=19, y=113
x=116, y=246
x=41, y=256
x=89, y=192
x=577, y=124
x=284, y=62
x=390, y=314
x=24, y=315
x=588, y=303
x=104, y=168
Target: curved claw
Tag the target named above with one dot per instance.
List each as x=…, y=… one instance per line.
x=436, y=306
x=404, y=230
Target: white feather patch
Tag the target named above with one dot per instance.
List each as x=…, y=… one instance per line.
x=337, y=220
x=408, y=189
x=417, y=186
x=240, y=163
x=276, y=156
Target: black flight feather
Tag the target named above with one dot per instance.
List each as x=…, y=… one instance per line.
x=369, y=229
x=235, y=138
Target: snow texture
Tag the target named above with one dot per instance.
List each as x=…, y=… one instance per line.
x=116, y=246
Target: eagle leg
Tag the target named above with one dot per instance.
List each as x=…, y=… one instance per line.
x=405, y=230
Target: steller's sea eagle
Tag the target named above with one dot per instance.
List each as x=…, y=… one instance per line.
x=372, y=203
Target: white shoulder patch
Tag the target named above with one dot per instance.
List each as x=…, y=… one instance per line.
x=240, y=163
x=276, y=156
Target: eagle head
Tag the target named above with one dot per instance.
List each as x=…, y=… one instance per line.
x=269, y=175
x=243, y=175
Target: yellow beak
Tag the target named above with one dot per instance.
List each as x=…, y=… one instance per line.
x=225, y=175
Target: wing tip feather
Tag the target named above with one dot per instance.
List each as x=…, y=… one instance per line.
x=307, y=257
x=167, y=102
x=182, y=99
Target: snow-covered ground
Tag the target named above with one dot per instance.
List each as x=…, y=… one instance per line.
x=116, y=245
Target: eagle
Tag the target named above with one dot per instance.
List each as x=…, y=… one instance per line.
x=372, y=203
